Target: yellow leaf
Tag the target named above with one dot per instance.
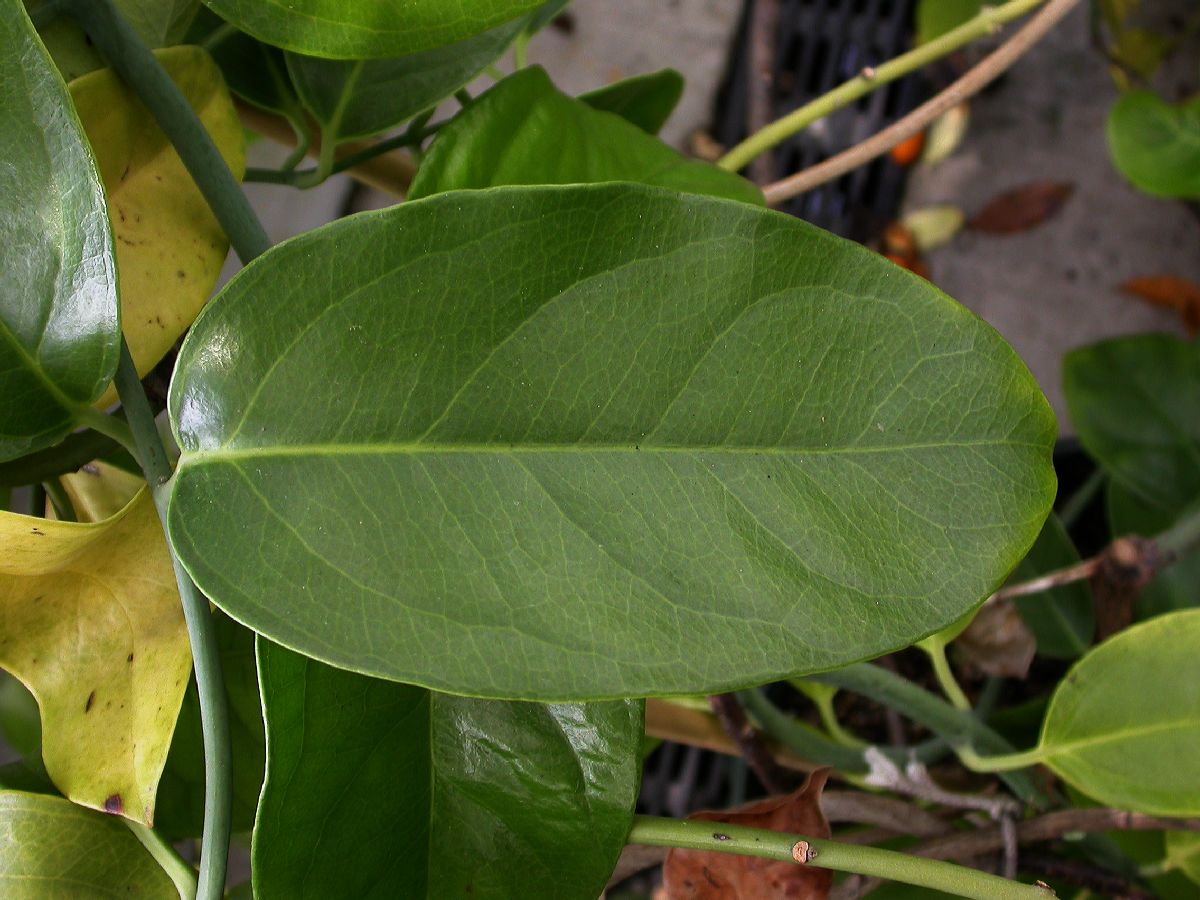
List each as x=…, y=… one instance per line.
x=100, y=490
x=170, y=248
x=90, y=621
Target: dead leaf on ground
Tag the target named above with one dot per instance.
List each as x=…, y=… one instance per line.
x=998, y=642
x=1169, y=292
x=706, y=875
x=1022, y=208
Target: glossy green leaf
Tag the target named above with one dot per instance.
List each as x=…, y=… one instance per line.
x=382, y=28
x=1176, y=586
x=524, y=131
x=1062, y=620
x=645, y=100
x=254, y=71
x=936, y=17
x=1156, y=145
x=59, y=324
x=682, y=444
x=378, y=789
x=159, y=23
x=51, y=848
x=1124, y=725
x=1135, y=403
x=180, y=803
x=355, y=98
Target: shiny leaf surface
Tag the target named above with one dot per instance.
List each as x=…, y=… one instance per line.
x=524, y=131
x=1135, y=402
x=1124, y=725
x=1156, y=145
x=378, y=789
x=339, y=30
x=645, y=100
x=170, y=248
x=631, y=465
x=59, y=324
x=50, y=848
x=90, y=621
x=355, y=98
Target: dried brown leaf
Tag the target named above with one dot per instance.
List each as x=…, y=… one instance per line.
x=998, y=642
x=1169, y=292
x=705, y=875
x=1022, y=208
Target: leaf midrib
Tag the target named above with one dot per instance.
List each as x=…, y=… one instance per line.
x=501, y=449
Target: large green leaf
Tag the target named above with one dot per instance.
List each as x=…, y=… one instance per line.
x=1124, y=725
x=1176, y=586
x=597, y=441
x=1135, y=402
x=1156, y=145
x=59, y=324
x=524, y=131
x=51, y=848
x=378, y=789
x=645, y=100
x=339, y=30
x=354, y=98
x=1062, y=620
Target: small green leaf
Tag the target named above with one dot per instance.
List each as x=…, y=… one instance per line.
x=180, y=801
x=90, y=621
x=378, y=789
x=1062, y=620
x=645, y=100
x=1176, y=586
x=50, y=847
x=1156, y=145
x=524, y=131
x=1135, y=402
x=362, y=97
x=1183, y=852
x=336, y=29
x=681, y=445
x=1124, y=725
x=59, y=323
x=936, y=17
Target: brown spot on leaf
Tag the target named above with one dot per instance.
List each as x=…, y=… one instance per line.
x=87, y=707
x=709, y=875
x=129, y=658
x=38, y=532
x=1022, y=208
x=114, y=804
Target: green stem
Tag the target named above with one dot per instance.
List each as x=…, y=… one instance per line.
x=109, y=426
x=182, y=874
x=520, y=50
x=799, y=737
x=985, y=23
x=822, y=697
x=138, y=68
x=312, y=177
x=870, y=861
x=1079, y=500
x=214, y=716
x=1182, y=537
x=1006, y=762
x=218, y=36
x=935, y=649
x=64, y=509
x=954, y=725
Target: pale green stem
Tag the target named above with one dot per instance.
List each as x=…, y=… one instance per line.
x=822, y=696
x=520, y=51
x=933, y=874
x=936, y=651
x=871, y=79
x=109, y=426
x=1007, y=762
x=182, y=874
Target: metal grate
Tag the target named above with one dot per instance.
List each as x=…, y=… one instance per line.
x=819, y=44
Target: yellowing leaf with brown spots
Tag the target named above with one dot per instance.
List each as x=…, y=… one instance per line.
x=170, y=248
x=90, y=621
x=100, y=490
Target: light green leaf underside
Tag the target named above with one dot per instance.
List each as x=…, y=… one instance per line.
x=339, y=30
x=1156, y=145
x=377, y=790
x=597, y=441
x=1124, y=726
x=525, y=131
x=59, y=336
x=50, y=848
x=354, y=98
